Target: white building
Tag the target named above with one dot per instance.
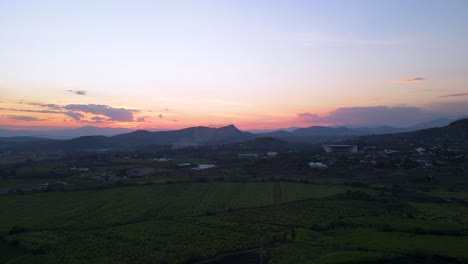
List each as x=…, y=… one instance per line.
x=317, y=165
x=272, y=154
x=204, y=166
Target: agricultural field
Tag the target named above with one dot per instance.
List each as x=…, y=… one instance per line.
x=284, y=222
x=129, y=208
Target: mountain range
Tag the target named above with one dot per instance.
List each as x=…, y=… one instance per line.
x=65, y=133
x=199, y=136
x=72, y=133
x=192, y=136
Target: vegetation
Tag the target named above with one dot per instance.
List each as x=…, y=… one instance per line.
x=152, y=207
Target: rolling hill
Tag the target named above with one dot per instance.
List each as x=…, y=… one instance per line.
x=192, y=136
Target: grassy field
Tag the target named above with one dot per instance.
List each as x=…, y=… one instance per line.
x=298, y=252
x=396, y=242
x=91, y=208
x=21, y=183
x=449, y=194
x=297, y=191
x=187, y=222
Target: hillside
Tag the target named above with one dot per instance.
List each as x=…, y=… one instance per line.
x=453, y=135
x=192, y=136
x=183, y=137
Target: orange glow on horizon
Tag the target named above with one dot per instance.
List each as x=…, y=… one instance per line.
x=18, y=115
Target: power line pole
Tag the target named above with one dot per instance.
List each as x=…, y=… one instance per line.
x=261, y=250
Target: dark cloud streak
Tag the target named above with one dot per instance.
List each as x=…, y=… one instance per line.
x=98, y=119
x=411, y=80
x=50, y=106
x=455, y=95
x=25, y=118
x=33, y=111
x=76, y=116
x=77, y=92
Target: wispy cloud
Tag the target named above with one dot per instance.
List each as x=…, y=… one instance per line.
x=77, y=111
x=78, y=92
x=32, y=111
x=50, y=106
x=99, y=119
x=455, y=95
x=307, y=117
x=113, y=114
x=411, y=80
x=25, y=118
x=76, y=116
x=80, y=112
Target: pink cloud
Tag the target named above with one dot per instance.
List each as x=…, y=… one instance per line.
x=411, y=80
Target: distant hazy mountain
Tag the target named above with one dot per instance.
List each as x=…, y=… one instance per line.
x=65, y=133
x=184, y=137
x=257, y=131
x=20, y=139
x=439, y=122
x=342, y=132
x=455, y=135
x=102, y=138
x=322, y=133
x=280, y=133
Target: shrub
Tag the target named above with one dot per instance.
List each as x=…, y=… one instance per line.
x=17, y=230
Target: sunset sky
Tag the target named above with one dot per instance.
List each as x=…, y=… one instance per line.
x=256, y=64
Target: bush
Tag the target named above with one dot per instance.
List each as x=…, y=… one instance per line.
x=358, y=195
x=17, y=230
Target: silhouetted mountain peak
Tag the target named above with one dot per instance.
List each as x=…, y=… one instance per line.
x=141, y=131
x=231, y=128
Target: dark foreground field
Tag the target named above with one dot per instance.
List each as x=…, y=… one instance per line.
x=236, y=222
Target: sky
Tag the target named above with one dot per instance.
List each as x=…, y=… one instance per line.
x=255, y=64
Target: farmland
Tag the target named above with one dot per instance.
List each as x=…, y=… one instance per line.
x=141, y=207
x=187, y=222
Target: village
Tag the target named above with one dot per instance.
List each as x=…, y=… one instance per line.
x=121, y=168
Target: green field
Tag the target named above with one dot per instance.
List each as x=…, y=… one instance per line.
x=186, y=222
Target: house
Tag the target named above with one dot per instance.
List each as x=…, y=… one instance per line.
x=204, y=166
x=83, y=169
x=42, y=187
x=271, y=154
x=317, y=165
x=163, y=159
x=248, y=155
